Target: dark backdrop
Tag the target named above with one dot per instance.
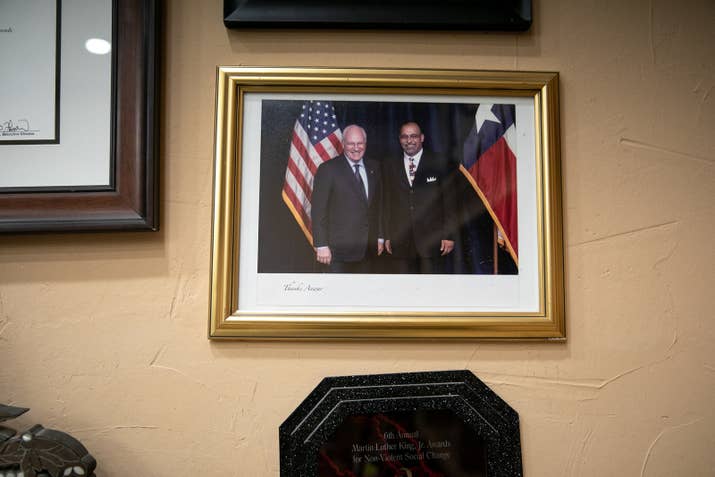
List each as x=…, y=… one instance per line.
x=282, y=246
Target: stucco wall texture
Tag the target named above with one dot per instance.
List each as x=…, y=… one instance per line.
x=103, y=335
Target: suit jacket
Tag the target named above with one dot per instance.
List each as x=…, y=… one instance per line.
x=425, y=212
x=341, y=216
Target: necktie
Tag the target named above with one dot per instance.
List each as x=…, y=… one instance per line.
x=358, y=177
x=412, y=169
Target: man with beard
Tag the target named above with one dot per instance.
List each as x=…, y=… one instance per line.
x=420, y=209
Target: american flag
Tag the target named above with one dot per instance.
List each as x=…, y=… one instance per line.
x=316, y=139
x=489, y=164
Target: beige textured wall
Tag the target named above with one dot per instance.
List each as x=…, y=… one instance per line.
x=104, y=335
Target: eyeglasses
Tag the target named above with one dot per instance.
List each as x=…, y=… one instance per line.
x=405, y=137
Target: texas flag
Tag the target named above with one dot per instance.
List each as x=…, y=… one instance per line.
x=489, y=163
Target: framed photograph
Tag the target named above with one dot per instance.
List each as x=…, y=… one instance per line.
x=386, y=204
x=78, y=146
x=505, y=15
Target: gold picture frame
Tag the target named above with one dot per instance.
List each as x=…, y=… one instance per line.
x=258, y=293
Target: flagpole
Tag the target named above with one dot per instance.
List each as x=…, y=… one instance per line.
x=495, y=249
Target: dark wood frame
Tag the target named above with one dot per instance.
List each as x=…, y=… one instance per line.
x=500, y=15
x=131, y=201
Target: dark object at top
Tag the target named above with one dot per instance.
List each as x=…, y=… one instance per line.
x=431, y=423
x=498, y=15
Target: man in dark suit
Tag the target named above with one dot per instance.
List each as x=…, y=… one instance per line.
x=420, y=206
x=346, y=208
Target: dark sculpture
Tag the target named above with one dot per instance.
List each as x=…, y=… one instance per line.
x=40, y=452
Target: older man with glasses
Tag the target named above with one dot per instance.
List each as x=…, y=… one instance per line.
x=347, y=208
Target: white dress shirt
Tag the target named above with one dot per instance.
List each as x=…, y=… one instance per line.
x=363, y=172
x=416, y=159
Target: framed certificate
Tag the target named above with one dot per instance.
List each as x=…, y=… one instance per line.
x=78, y=115
x=30, y=36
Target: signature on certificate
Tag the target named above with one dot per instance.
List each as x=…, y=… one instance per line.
x=21, y=126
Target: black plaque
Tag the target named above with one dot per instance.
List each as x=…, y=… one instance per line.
x=433, y=424
x=505, y=15
x=424, y=442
